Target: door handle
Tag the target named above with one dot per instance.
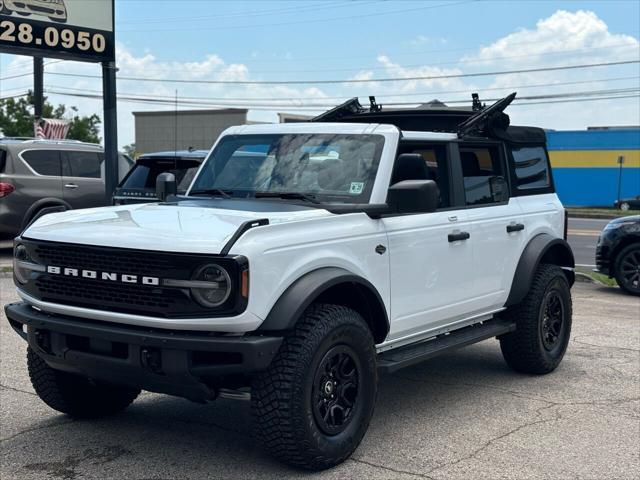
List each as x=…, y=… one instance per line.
x=71, y=185
x=515, y=227
x=457, y=237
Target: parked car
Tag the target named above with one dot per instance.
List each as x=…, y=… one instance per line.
x=631, y=203
x=139, y=185
x=618, y=253
x=39, y=174
x=304, y=259
x=55, y=10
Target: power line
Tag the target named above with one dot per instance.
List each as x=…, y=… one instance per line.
x=249, y=103
x=305, y=21
x=379, y=97
x=429, y=64
x=250, y=13
x=315, y=106
x=354, y=81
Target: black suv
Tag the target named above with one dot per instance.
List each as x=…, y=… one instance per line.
x=139, y=186
x=618, y=252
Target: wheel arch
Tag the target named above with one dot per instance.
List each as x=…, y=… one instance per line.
x=41, y=204
x=543, y=248
x=332, y=285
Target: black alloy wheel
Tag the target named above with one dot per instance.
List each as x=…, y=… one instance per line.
x=335, y=389
x=627, y=270
x=552, y=322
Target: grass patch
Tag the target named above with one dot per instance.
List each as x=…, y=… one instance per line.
x=598, y=277
x=6, y=269
x=604, y=212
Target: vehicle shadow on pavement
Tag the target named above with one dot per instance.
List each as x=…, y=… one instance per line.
x=166, y=437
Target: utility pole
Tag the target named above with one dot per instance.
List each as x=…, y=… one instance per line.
x=110, y=130
x=38, y=88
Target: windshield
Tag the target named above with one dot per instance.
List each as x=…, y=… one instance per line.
x=332, y=168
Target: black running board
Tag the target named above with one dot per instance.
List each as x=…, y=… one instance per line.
x=402, y=357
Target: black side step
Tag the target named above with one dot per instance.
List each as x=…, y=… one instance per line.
x=402, y=357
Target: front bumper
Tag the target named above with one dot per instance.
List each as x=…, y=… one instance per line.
x=186, y=364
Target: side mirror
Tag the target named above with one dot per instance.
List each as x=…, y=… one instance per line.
x=166, y=186
x=413, y=196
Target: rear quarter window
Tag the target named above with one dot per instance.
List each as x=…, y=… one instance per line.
x=3, y=160
x=531, y=169
x=43, y=162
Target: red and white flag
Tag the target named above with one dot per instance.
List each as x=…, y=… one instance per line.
x=51, y=129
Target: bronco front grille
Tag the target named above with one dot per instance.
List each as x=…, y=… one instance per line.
x=135, y=298
x=81, y=293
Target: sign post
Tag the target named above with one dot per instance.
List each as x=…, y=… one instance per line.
x=620, y=163
x=78, y=30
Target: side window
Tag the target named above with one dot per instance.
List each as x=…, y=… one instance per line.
x=531, y=167
x=82, y=164
x=43, y=162
x=436, y=163
x=484, y=178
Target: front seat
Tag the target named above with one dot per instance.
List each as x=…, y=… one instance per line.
x=410, y=166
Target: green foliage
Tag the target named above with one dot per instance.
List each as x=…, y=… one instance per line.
x=16, y=119
x=130, y=150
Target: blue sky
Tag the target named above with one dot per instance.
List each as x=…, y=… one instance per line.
x=364, y=39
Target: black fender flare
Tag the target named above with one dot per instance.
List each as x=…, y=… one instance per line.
x=543, y=248
x=308, y=288
x=41, y=204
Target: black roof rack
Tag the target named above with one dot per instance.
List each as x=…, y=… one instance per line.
x=478, y=120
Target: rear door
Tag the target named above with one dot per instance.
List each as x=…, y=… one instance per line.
x=36, y=176
x=496, y=220
x=82, y=184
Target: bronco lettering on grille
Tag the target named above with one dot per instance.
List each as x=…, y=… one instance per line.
x=109, y=276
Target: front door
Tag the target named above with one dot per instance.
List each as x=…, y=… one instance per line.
x=431, y=261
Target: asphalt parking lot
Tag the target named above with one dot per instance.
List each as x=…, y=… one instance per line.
x=463, y=415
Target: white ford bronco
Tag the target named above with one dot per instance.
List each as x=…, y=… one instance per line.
x=304, y=260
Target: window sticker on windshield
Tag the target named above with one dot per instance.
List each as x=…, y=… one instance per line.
x=356, y=188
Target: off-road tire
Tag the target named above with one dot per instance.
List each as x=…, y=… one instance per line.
x=75, y=395
x=281, y=397
x=629, y=254
x=524, y=349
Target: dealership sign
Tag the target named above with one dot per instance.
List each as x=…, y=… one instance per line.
x=73, y=29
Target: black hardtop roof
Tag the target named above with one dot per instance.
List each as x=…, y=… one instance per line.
x=492, y=121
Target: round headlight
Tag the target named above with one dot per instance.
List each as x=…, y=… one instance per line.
x=20, y=254
x=216, y=286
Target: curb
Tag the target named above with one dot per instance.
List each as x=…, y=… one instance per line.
x=596, y=216
x=584, y=278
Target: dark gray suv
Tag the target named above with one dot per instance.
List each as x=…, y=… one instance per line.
x=37, y=174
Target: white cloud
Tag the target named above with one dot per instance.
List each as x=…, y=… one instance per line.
x=581, y=34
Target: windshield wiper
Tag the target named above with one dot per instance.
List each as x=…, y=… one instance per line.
x=287, y=196
x=212, y=191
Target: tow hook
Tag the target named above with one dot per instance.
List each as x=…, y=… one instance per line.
x=151, y=359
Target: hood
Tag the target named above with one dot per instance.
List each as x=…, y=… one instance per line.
x=189, y=226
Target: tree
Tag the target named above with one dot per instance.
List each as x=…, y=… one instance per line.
x=16, y=119
x=130, y=150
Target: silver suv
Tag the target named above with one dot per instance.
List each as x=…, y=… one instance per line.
x=38, y=174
